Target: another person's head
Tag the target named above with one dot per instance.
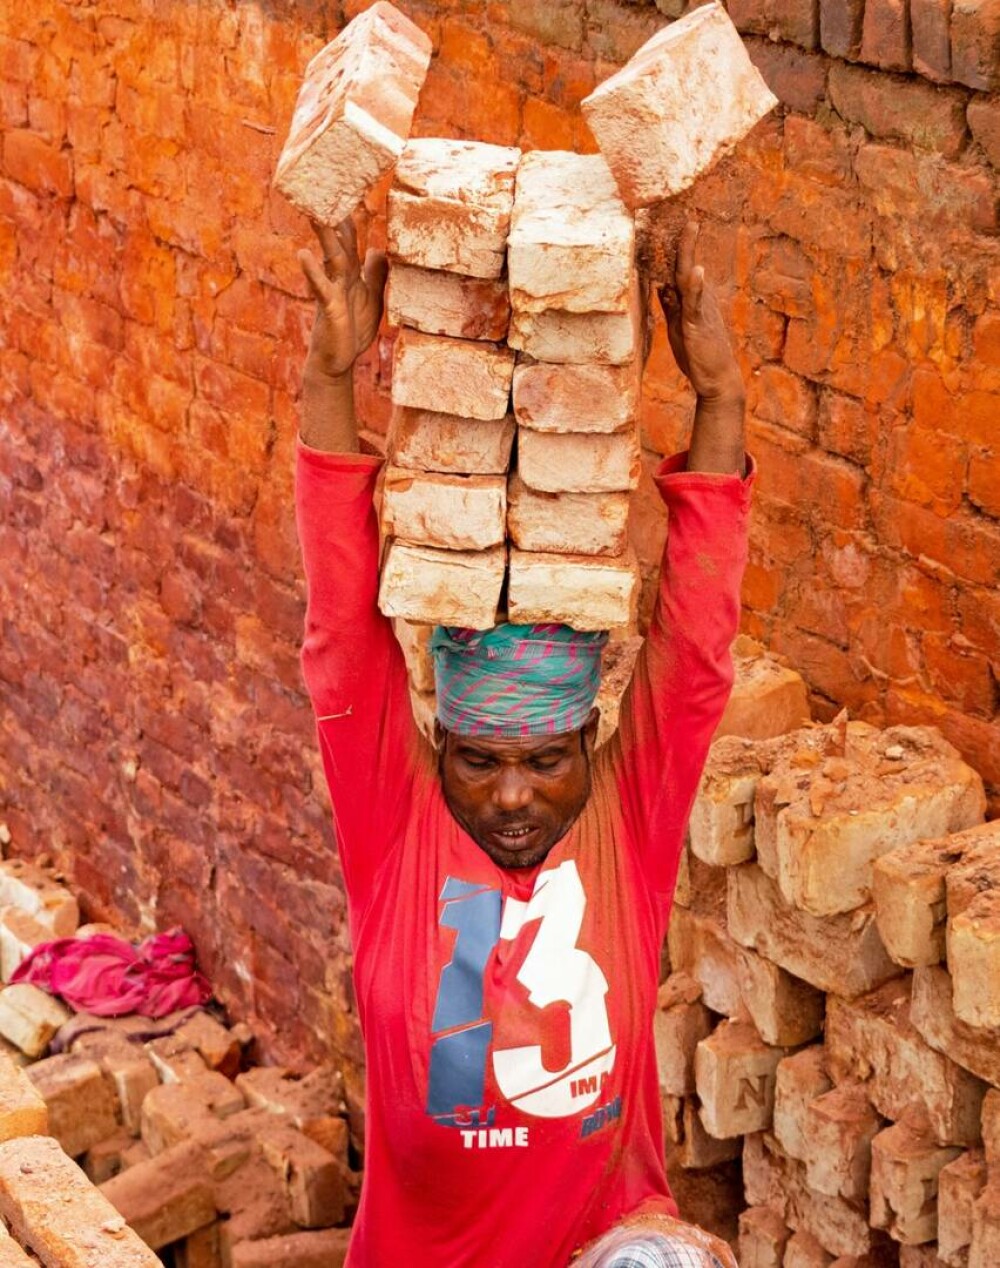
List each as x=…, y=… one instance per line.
x=516, y=730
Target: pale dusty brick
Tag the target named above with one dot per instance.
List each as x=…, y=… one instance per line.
x=448, y=511
x=786, y=1011
x=576, y=397
x=734, y=1076
x=819, y=831
x=11, y=1255
x=683, y=894
x=763, y=1236
x=873, y=1040
x=132, y=1075
x=840, y=954
x=166, y=1198
x=906, y=1162
x=578, y=590
x=450, y=205
x=566, y=523
x=313, y=1178
x=452, y=376
x=423, y=440
x=768, y=698
x=353, y=113
x=772, y=1178
x=51, y=1206
x=33, y=890
x=326, y=1248
x=415, y=640
x=696, y=1149
x=424, y=707
x=571, y=338
x=685, y=99
x=959, y=1185
x=174, y=1060
x=23, y=1111
x=977, y=871
x=804, y=1251
x=839, y=1128
x=29, y=1017
x=572, y=239
x=680, y=1022
x=933, y=1014
x=173, y=1112
x=442, y=587
x=984, y=1250
x=19, y=935
x=973, y=938
x=721, y=826
x=81, y=1105
x=108, y=1157
x=314, y=1103
x=219, y=1046
x=441, y=303
x=617, y=665
x=799, y=1080
x=910, y=892
x=572, y=463
x=700, y=944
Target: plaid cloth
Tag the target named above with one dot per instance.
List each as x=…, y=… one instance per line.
x=654, y=1251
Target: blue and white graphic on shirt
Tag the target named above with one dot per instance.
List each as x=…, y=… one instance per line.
x=554, y=970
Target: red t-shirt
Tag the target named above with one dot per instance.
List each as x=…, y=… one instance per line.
x=513, y=1106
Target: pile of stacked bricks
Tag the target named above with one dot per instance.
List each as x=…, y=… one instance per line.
x=831, y=1018
x=145, y=1142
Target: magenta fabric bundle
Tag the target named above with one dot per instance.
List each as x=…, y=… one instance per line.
x=107, y=976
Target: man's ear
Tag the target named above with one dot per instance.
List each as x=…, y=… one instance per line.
x=440, y=735
x=589, y=731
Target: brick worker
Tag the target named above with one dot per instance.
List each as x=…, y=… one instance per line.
x=509, y=892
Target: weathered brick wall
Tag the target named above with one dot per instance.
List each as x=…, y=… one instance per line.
x=154, y=738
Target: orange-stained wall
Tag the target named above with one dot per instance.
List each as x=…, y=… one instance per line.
x=154, y=739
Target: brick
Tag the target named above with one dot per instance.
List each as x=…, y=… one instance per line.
x=132, y=1075
x=735, y=1077
x=578, y=590
x=108, y=1157
x=960, y=1183
x=984, y=123
x=907, y=110
x=819, y=831
x=985, y=1245
x=441, y=303
x=572, y=338
x=763, y=1237
x=219, y=1046
x=452, y=376
x=778, y=19
x=314, y=1102
x=415, y=641
x=655, y=142
x=783, y=398
x=578, y=463
x=906, y=1162
x=991, y=1126
x=450, y=206
x=842, y=954
x=448, y=511
x=680, y=1022
x=975, y=40
x=840, y=27
x=566, y=523
x=786, y=1011
x=423, y=440
x=326, y=1248
x=313, y=1178
x=696, y=1149
x=19, y=935
x=446, y=587
x=804, y=1251
x=768, y=698
x=929, y=20
x=721, y=824
x=202, y=1249
x=23, y=1111
x=42, y=167
x=572, y=240
x=700, y=945
x=174, y=1060
x=165, y=1199
x=11, y=1255
x=799, y=1080
x=885, y=35
x=29, y=1017
x=575, y=398
x=873, y=1040
x=172, y=1112
x=353, y=113
x=30, y=888
x=973, y=939
x=51, y=1206
x=839, y=1127
x=617, y=664
x=797, y=78
x=81, y=1105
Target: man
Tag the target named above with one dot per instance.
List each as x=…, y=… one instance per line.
x=509, y=893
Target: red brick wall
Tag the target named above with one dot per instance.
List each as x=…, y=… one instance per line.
x=154, y=739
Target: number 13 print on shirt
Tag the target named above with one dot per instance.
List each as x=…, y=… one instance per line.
x=554, y=970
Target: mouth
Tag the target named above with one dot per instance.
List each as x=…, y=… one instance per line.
x=514, y=837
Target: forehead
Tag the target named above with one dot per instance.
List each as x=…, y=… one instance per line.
x=514, y=749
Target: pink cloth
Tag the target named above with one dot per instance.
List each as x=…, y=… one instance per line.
x=108, y=976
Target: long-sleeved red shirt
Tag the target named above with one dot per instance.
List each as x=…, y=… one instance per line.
x=513, y=1105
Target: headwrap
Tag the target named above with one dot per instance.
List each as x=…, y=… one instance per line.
x=516, y=680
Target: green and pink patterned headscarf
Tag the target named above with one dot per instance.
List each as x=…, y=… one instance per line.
x=515, y=680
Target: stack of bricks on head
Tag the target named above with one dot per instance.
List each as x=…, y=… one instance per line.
x=514, y=284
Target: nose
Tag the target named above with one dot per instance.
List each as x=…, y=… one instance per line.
x=512, y=790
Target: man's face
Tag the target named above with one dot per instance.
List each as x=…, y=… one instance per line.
x=517, y=798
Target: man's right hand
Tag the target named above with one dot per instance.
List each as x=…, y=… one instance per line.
x=349, y=300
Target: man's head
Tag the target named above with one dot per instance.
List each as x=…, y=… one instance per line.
x=516, y=731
